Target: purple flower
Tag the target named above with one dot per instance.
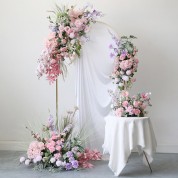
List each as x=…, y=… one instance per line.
x=69, y=154
x=51, y=123
x=71, y=159
x=68, y=166
x=75, y=164
x=116, y=50
x=110, y=46
x=112, y=55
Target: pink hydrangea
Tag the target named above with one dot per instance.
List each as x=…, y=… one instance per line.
x=35, y=149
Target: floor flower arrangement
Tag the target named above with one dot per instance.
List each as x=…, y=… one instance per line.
x=59, y=147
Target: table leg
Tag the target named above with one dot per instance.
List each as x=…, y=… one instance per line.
x=147, y=161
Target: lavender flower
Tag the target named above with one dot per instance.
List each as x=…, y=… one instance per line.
x=51, y=123
x=75, y=164
x=68, y=166
x=112, y=55
x=69, y=154
x=71, y=159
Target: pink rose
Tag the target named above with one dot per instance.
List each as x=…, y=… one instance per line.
x=67, y=28
x=136, y=104
x=125, y=93
x=78, y=23
x=130, y=110
x=119, y=112
x=122, y=57
x=125, y=104
x=58, y=148
x=63, y=49
x=63, y=41
x=143, y=106
x=136, y=112
x=128, y=72
x=145, y=96
x=72, y=35
x=51, y=149
x=136, y=60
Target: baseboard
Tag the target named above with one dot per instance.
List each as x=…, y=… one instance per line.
x=22, y=146
x=14, y=145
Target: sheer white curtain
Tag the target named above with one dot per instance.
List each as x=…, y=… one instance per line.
x=92, y=84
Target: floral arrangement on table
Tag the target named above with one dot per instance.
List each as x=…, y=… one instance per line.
x=59, y=147
x=125, y=106
x=125, y=65
x=125, y=62
x=69, y=28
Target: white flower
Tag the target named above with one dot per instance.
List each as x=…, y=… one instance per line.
x=121, y=72
x=38, y=158
x=112, y=106
x=125, y=78
x=52, y=160
x=27, y=162
x=58, y=163
x=128, y=72
x=117, y=80
x=34, y=160
x=121, y=84
x=72, y=41
x=63, y=164
x=22, y=159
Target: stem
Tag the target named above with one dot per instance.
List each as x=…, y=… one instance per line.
x=56, y=100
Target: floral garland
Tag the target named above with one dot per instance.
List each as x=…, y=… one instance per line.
x=69, y=28
x=125, y=63
x=59, y=147
x=125, y=106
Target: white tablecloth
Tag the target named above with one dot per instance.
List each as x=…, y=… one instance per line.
x=122, y=135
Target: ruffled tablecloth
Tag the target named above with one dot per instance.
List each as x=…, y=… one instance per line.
x=122, y=135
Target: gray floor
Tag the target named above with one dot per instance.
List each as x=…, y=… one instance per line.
x=164, y=166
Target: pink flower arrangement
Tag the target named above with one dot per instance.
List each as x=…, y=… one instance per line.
x=69, y=29
x=125, y=106
x=59, y=149
x=125, y=63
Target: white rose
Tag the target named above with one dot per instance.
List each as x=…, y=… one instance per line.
x=58, y=163
x=125, y=78
x=128, y=72
x=117, y=80
x=22, y=159
x=121, y=84
x=38, y=158
x=27, y=162
x=34, y=160
x=52, y=160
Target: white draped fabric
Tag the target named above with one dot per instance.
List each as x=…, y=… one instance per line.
x=122, y=135
x=93, y=70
